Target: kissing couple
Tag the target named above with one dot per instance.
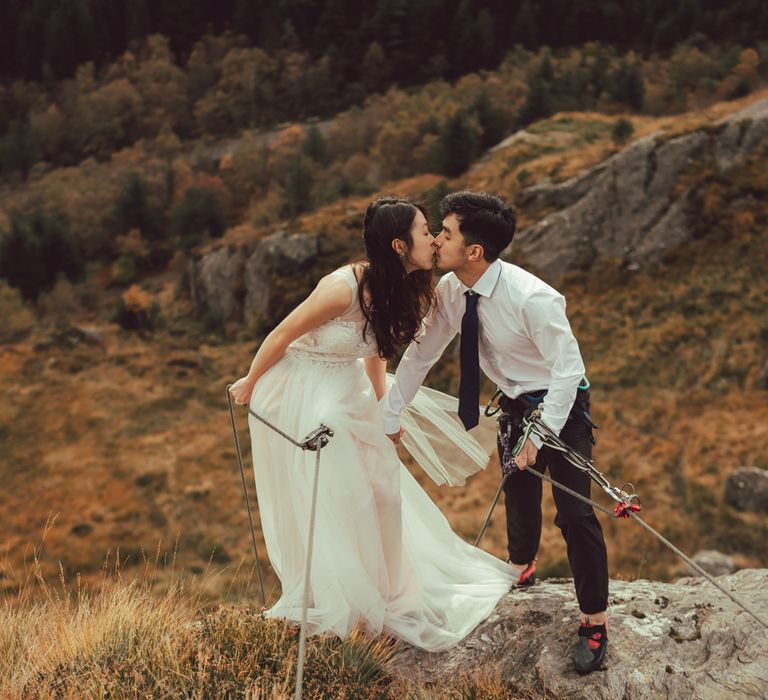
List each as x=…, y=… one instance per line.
x=386, y=558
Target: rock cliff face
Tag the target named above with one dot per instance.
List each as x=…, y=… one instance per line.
x=679, y=640
x=627, y=207
x=238, y=282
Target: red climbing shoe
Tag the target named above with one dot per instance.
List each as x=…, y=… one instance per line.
x=593, y=641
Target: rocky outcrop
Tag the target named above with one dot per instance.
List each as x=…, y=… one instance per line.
x=681, y=640
x=282, y=253
x=747, y=489
x=214, y=281
x=713, y=562
x=627, y=207
x=237, y=282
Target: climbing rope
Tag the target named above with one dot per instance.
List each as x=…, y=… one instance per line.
x=314, y=442
x=245, y=495
x=628, y=502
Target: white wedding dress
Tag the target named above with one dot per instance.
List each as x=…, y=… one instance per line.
x=385, y=558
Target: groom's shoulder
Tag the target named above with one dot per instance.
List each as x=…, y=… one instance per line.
x=523, y=285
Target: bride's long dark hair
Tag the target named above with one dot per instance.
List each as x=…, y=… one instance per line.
x=393, y=302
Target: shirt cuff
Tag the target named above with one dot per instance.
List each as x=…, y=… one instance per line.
x=536, y=440
x=391, y=424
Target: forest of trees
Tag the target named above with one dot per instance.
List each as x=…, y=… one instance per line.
x=226, y=86
x=100, y=168
x=367, y=45
x=105, y=128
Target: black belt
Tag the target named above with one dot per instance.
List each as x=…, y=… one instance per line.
x=532, y=399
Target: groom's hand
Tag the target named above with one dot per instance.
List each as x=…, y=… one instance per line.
x=395, y=437
x=527, y=456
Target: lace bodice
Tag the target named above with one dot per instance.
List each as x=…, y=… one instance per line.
x=340, y=340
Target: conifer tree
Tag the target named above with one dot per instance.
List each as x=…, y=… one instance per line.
x=626, y=85
x=315, y=146
x=133, y=211
x=538, y=104
x=524, y=28
x=196, y=215
x=38, y=248
x=458, y=145
x=298, y=188
x=19, y=148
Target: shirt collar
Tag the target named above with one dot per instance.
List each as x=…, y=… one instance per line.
x=487, y=282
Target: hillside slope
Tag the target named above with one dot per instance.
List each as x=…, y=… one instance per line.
x=124, y=438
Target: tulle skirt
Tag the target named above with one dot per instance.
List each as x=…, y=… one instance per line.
x=384, y=556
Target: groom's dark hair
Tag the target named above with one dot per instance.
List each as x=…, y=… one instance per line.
x=484, y=219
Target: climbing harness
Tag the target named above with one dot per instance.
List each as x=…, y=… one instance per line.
x=314, y=442
x=627, y=501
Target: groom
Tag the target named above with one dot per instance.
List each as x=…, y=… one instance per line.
x=514, y=326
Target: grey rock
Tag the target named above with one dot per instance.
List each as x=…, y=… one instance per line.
x=257, y=287
x=713, y=562
x=289, y=252
x=280, y=254
x=89, y=334
x=741, y=133
x=75, y=334
x=215, y=279
x=626, y=208
x=232, y=283
x=747, y=489
x=683, y=639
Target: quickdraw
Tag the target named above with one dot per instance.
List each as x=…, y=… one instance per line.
x=314, y=442
x=627, y=506
x=626, y=499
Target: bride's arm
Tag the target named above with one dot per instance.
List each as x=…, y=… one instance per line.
x=376, y=369
x=330, y=298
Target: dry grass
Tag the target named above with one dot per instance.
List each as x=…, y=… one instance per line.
x=569, y=143
x=120, y=639
x=128, y=442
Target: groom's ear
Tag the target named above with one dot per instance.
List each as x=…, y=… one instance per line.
x=475, y=252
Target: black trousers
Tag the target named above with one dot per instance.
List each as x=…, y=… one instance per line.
x=580, y=528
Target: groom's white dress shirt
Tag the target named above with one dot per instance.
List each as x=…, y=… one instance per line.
x=526, y=343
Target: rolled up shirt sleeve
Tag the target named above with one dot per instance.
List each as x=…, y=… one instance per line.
x=417, y=360
x=550, y=331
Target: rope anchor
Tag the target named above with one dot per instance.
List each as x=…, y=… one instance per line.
x=317, y=439
x=313, y=442
x=627, y=501
x=626, y=498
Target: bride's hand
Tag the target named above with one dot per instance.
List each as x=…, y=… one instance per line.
x=241, y=391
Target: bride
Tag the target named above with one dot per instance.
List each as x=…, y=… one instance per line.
x=385, y=558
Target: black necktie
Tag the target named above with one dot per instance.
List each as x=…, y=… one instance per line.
x=469, y=385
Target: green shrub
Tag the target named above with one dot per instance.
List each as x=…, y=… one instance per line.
x=124, y=270
x=136, y=310
x=133, y=210
x=622, y=131
x=17, y=318
x=197, y=215
x=36, y=250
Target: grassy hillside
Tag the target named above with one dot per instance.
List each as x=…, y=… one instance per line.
x=120, y=439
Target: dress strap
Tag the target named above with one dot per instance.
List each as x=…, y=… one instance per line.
x=347, y=273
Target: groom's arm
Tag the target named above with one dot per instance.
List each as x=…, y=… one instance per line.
x=418, y=359
x=551, y=333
